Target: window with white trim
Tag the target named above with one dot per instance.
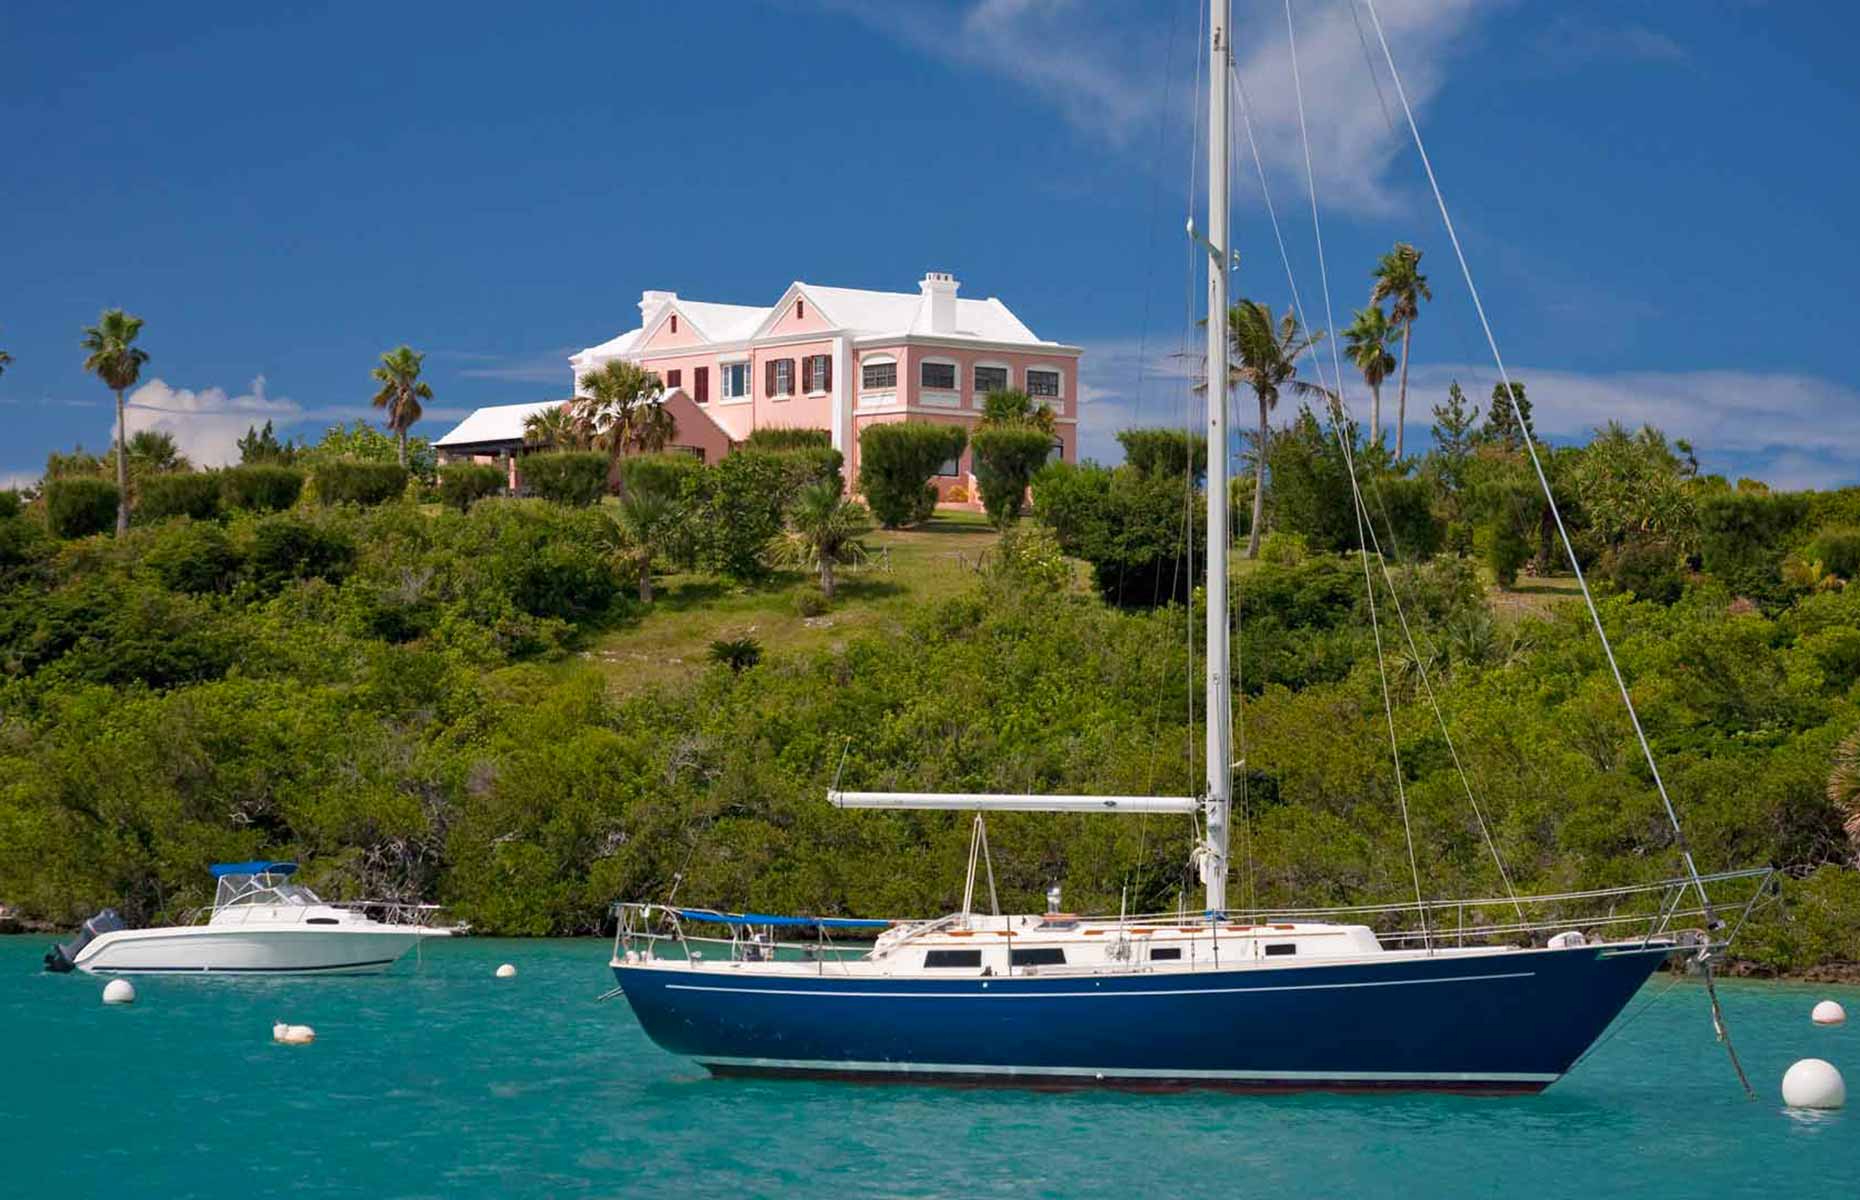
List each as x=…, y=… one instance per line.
x=1042, y=383
x=879, y=375
x=950, y=468
x=733, y=381
x=990, y=379
x=781, y=377
x=817, y=373
x=937, y=376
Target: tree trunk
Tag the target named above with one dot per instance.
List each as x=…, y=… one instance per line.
x=1259, y=481
x=122, y=468
x=616, y=478
x=400, y=438
x=645, y=582
x=1401, y=403
x=1375, y=410
x=826, y=576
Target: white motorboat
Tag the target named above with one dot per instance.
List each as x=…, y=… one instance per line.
x=260, y=924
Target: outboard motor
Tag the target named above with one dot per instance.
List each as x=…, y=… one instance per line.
x=64, y=958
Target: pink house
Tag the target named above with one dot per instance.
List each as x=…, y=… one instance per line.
x=841, y=359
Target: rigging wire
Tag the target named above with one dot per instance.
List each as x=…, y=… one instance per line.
x=1346, y=439
x=1588, y=600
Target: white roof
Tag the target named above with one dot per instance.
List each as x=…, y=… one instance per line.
x=865, y=313
x=499, y=423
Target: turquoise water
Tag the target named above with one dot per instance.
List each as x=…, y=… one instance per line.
x=441, y=1081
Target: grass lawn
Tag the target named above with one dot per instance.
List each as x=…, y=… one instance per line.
x=908, y=568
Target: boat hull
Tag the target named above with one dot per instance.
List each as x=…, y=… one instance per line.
x=245, y=950
x=1510, y=1022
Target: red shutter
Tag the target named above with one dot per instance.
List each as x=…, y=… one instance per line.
x=700, y=381
x=768, y=378
x=826, y=372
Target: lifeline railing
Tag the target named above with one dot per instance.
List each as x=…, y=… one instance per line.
x=388, y=912
x=1642, y=914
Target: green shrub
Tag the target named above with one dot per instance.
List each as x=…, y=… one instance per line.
x=810, y=603
x=1404, y=515
x=551, y=562
x=342, y=481
x=194, y=494
x=1743, y=537
x=659, y=474
x=1838, y=551
x=194, y=556
x=1005, y=460
x=10, y=504
x=779, y=438
x=260, y=487
x=576, y=478
x=1031, y=554
x=1283, y=549
x=286, y=548
x=1164, y=451
x=805, y=466
x=1141, y=533
x=22, y=540
x=738, y=654
x=1647, y=569
x=1504, y=550
x=463, y=484
x=736, y=511
x=79, y=506
x=896, y=462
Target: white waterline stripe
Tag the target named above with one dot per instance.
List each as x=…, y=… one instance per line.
x=1294, y=987
x=904, y=1068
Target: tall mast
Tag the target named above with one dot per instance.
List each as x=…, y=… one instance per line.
x=1220, y=750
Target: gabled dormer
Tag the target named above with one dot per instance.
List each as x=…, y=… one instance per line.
x=798, y=311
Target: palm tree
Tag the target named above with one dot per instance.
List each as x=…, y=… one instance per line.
x=1367, y=340
x=824, y=532
x=1844, y=787
x=620, y=406
x=117, y=360
x=153, y=451
x=5, y=358
x=1398, y=278
x=402, y=389
x=1011, y=408
x=556, y=428
x=1266, y=360
x=650, y=522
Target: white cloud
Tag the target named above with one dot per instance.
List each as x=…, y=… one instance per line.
x=1135, y=382
x=1102, y=67
x=206, y=424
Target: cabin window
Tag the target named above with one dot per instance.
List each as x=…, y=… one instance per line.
x=1043, y=383
x=1165, y=953
x=674, y=379
x=939, y=376
x=880, y=376
x=934, y=959
x=1276, y=948
x=990, y=379
x=1038, y=956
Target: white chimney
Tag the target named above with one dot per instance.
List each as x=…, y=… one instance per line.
x=939, y=288
x=649, y=301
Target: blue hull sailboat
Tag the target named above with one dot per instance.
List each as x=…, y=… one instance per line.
x=1492, y=995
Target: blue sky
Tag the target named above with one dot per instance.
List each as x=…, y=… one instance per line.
x=1657, y=198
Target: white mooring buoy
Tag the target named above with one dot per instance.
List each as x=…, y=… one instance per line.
x=506, y=971
x=292, y=1035
x=1813, y=1083
x=1828, y=1013
x=119, y=991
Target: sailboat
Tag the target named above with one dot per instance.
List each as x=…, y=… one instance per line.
x=1434, y=995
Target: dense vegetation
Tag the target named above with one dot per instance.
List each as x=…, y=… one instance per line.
x=394, y=689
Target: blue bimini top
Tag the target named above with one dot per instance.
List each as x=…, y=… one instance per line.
x=256, y=867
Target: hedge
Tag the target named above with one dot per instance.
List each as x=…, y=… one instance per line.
x=260, y=487
x=463, y=484
x=80, y=506
x=1164, y=451
x=659, y=474
x=193, y=494
x=896, y=461
x=1005, y=460
x=778, y=437
x=363, y=483
x=572, y=477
